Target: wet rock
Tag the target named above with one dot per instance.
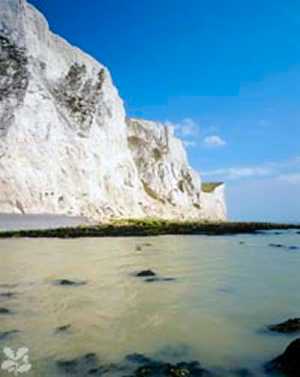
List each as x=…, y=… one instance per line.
x=158, y=279
x=7, y=334
x=82, y=366
x=289, y=326
x=90, y=356
x=94, y=371
x=138, y=358
x=242, y=242
x=66, y=282
x=161, y=369
x=152, y=277
x=294, y=248
x=68, y=366
x=145, y=273
x=7, y=295
x=138, y=248
x=288, y=363
x=278, y=245
x=5, y=311
x=62, y=329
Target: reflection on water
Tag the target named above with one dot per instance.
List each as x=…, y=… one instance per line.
x=224, y=294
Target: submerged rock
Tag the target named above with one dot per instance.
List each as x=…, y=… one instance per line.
x=7, y=334
x=81, y=366
x=145, y=273
x=294, y=248
x=5, y=311
x=152, y=277
x=138, y=358
x=7, y=295
x=66, y=282
x=289, y=362
x=62, y=329
x=161, y=369
x=67, y=365
x=149, y=367
x=278, y=245
x=94, y=371
x=289, y=326
x=158, y=279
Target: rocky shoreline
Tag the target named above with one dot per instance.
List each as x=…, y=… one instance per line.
x=136, y=228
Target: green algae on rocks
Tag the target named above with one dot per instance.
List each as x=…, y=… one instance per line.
x=150, y=227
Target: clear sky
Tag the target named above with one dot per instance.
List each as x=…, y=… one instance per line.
x=225, y=73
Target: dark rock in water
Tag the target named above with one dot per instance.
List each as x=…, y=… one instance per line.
x=145, y=273
x=278, y=245
x=152, y=280
x=138, y=358
x=158, y=279
x=294, y=248
x=66, y=282
x=7, y=294
x=138, y=248
x=289, y=326
x=90, y=356
x=147, y=244
x=82, y=366
x=68, y=365
x=151, y=276
x=7, y=334
x=62, y=328
x=242, y=242
x=5, y=311
x=94, y=371
x=161, y=369
x=289, y=362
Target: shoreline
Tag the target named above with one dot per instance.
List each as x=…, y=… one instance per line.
x=143, y=228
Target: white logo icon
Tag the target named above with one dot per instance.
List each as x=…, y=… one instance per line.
x=17, y=362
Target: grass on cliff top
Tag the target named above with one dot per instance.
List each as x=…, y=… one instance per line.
x=149, y=227
x=209, y=187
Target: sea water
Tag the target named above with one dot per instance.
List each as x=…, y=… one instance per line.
x=227, y=290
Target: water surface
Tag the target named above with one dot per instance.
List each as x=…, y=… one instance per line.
x=224, y=295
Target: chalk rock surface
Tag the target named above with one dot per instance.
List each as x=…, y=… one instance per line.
x=66, y=146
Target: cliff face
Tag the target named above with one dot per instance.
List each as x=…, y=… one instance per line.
x=65, y=146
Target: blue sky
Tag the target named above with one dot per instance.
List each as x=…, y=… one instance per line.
x=225, y=73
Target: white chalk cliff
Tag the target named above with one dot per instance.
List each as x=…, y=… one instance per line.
x=66, y=146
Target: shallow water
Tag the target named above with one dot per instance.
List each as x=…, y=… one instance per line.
x=224, y=295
